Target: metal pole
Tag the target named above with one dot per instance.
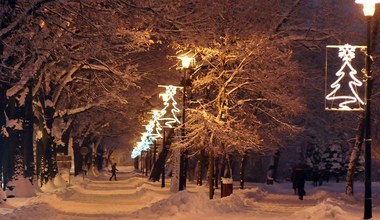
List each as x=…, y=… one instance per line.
x=368, y=140
x=183, y=159
x=154, y=151
x=83, y=166
x=141, y=163
x=163, y=162
x=146, y=162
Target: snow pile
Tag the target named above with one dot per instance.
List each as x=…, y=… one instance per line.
x=250, y=195
x=22, y=188
x=193, y=203
x=3, y=196
x=133, y=197
x=328, y=209
x=29, y=211
x=59, y=181
x=49, y=187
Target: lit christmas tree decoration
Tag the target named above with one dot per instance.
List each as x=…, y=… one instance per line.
x=153, y=132
x=346, y=102
x=170, y=111
x=154, y=127
x=142, y=145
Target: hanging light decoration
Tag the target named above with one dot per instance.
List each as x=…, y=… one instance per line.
x=170, y=111
x=345, y=91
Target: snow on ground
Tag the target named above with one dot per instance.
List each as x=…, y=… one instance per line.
x=133, y=197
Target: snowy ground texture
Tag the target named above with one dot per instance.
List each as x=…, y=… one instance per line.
x=132, y=197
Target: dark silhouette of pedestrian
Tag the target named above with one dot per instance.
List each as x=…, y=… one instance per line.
x=292, y=178
x=270, y=178
x=299, y=179
x=315, y=176
x=320, y=179
x=113, y=171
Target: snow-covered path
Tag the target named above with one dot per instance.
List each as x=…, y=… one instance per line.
x=132, y=197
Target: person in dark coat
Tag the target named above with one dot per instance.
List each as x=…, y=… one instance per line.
x=299, y=180
x=113, y=171
x=292, y=178
x=270, y=178
x=315, y=175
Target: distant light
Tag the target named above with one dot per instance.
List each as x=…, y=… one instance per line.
x=186, y=61
x=368, y=6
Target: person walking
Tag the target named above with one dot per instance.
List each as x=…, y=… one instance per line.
x=113, y=171
x=293, y=179
x=299, y=179
x=315, y=175
x=270, y=178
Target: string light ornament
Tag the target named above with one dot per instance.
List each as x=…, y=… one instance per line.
x=154, y=127
x=142, y=145
x=136, y=151
x=153, y=132
x=170, y=111
x=347, y=87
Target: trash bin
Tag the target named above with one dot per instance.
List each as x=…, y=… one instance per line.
x=227, y=186
x=270, y=181
x=9, y=191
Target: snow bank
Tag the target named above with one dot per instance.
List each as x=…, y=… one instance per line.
x=49, y=186
x=192, y=203
x=3, y=196
x=22, y=188
x=33, y=211
x=59, y=181
x=328, y=209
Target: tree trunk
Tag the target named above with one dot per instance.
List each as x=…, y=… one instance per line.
x=200, y=167
x=3, y=139
x=51, y=148
x=146, y=162
x=46, y=145
x=19, y=138
x=154, y=151
x=211, y=175
x=28, y=135
x=136, y=163
x=13, y=144
x=217, y=172
x=355, y=153
x=65, y=138
x=160, y=163
x=242, y=170
x=77, y=158
x=6, y=140
x=276, y=161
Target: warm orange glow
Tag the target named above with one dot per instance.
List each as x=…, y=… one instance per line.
x=368, y=6
x=186, y=61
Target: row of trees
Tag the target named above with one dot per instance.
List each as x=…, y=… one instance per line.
x=246, y=92
x=79, y=69
x=65, y=72
x=333, y=159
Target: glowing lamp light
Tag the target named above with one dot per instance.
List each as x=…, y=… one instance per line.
x=368, y=6
x=186, y=61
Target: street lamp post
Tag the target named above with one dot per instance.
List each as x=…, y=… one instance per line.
x=369, y=10
x=186, y=62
